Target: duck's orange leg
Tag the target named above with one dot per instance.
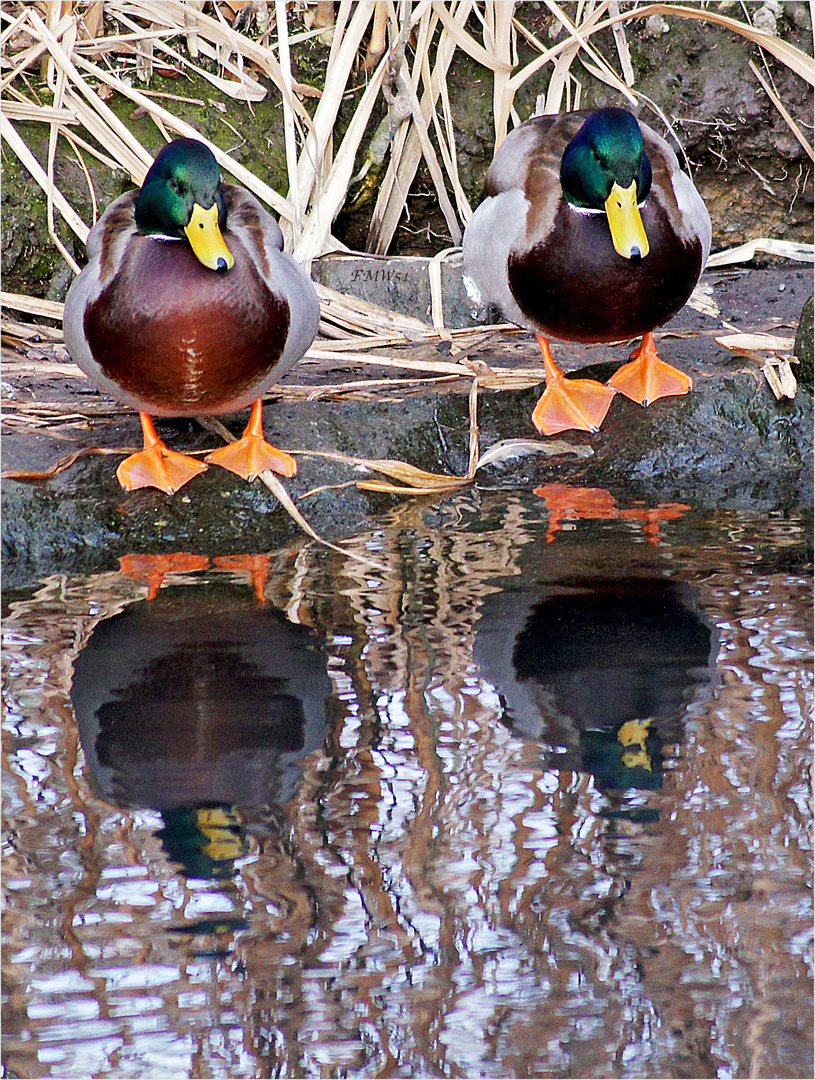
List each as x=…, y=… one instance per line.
x=646, y=378
x=251, y=454
x=156, y=465
x=257, y=566
x=569, y=403
x=153, y=568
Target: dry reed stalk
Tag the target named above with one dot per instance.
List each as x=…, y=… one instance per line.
x=579, y=34
x=621, y=43
x=402, y=168
x=344, y=45
x=292, y=233
x=501, y=33
x=377, y=242
x=378, y=40
x=446, y=139
x=32, y=305
x=317, y=230
x=429, y=153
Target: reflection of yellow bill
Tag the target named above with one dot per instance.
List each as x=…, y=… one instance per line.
x=638, y=758
x=205, y=237
x=634, y=734
x=223, y=842
x=625, y=221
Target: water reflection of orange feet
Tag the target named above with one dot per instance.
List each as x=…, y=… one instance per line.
x=257, y=566
x=564, y=501
x=153, y=568
x=597, y=504
x=652, y=516
x=569, y=404
x=646, y=378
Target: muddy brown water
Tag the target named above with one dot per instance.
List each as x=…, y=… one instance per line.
x=526, y=794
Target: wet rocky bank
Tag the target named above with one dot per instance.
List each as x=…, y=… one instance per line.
x=728, y=444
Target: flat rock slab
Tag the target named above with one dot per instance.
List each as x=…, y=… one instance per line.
x=728, y=443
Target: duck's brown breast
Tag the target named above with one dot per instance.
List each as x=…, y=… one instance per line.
x=183, y=337
x=574, y=286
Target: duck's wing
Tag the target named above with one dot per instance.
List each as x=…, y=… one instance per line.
x=262, y=239
x=518, y=156
x=106, y=247
x=676, y=193
x=522, y=193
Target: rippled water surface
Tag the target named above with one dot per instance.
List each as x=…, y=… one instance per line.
x=520, y=787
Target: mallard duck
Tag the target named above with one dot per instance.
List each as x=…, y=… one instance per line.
x=589, y=231
x=189, y=306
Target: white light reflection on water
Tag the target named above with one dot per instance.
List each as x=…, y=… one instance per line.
x=459, y=876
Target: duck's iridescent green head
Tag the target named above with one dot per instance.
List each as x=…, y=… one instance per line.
x=181, y=197
x=605, y=167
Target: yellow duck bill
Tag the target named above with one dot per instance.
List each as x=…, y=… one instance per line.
x=625, y=221
x=207, y=242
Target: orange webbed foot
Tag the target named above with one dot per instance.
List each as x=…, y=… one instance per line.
x=646, y=378
x=156, y=465
x=579, y=404
x=566, y=404
x=248, y=456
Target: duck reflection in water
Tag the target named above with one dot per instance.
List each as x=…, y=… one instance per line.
x=600, y=672
x=197, y=703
